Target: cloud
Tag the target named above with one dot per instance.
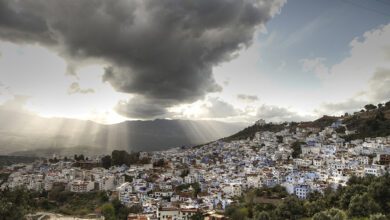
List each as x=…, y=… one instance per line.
x=317, y=66
x=75, y=88
x=217, y=108
x=160, y=50
x=338, y=108
x=368, y=54
x=140, y=107
x=279, y=114
x=379, y=86
x=247, y=98
x=16, y=104
x=377, y=91
x=360, y=78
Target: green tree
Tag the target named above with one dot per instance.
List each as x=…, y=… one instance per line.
x=387, y=104
x=331, y=214
x=349, y=192
x=369, y=107
x=362, y=206
x=240, y=214
x=197, y=216
x=315, y=207
x=108, y=211
x=118, y=157
x=380, y=192
x=106, y=161
x=15, y=204
x=291, y=208
x=378, y=217
x=262, y=216
x=297, y=150
x=279, y=139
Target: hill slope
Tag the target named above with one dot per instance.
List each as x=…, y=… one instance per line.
x=374, y=122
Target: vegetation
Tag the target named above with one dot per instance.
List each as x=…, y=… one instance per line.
x=372, y=123
x=106, y=161
x=297, y=150
x=195, y=186
x=363, y=198
x=17, y=203
x=250, y=131
x=9, y=160
x=121, y=157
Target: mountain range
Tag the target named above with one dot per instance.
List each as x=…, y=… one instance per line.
x=27, y=134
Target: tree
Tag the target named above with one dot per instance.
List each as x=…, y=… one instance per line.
x=79, y=157
x=321, y=216
x=332, y=214
x=118, y=157
x=380, y=192
x=349, y=192
x=315, y=207
x=362, y=206
x=369, y=107
x=279, y=139
x=378, y=217
x=262, y=216
x=291, y=208
x=159, y=163
x=106, y=161
x=297, y=150
x=15, y=204
x=240, y=213
x=197, y=216
x=196, y=188
x=108, y=211
x=184, y=173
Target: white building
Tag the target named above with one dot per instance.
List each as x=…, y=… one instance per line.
x=81, y=186
x=124, y=192
x=301, y=191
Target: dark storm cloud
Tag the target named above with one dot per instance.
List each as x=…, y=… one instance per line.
x=142, y=108
x=162, y=50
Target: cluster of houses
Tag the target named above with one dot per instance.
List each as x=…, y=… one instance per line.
x=208, y=178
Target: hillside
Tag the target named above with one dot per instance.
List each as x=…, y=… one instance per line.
x=372, y=121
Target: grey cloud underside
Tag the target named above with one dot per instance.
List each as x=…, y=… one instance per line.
x=141, y=107
x=247, y=98
x=275, y=113
x=75, y=88
x=219, y=109
x=161, y=50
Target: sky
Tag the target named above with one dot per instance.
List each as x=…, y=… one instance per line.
x=227, y=60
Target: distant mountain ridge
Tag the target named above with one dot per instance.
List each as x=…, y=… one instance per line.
x=26, y=134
